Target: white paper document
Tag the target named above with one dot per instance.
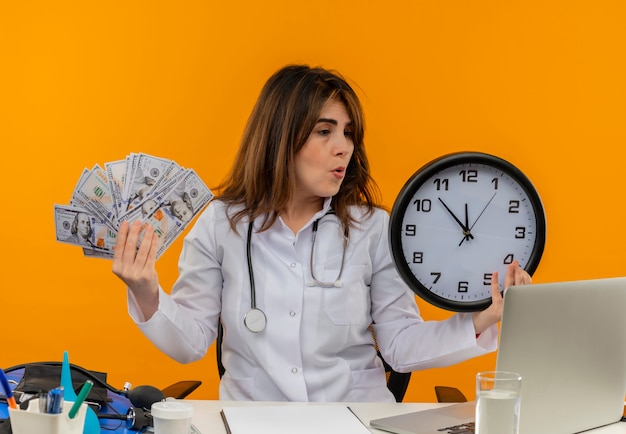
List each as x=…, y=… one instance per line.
x=290, y=419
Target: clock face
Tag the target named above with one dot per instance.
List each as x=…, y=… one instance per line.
x=460, y=218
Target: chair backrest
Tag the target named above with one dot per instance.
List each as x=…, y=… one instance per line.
x=449, y=394
x=397, y=382
x=218, y=350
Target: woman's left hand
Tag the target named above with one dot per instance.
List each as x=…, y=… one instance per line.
x=515, y=275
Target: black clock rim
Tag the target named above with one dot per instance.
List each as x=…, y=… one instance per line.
x=406, y=194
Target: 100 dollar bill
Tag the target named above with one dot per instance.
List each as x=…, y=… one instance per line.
x=153, y=190
x=79, y=227
x=170, y=212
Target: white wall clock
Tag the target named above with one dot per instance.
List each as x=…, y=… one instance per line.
x=460, y=218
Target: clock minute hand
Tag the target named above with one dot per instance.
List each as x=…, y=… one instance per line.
x=466, y=230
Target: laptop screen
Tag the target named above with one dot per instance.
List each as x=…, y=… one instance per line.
x=568, y=341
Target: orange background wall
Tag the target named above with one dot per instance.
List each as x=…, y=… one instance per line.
x=540, y=83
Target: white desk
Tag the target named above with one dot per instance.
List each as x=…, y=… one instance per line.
x=208, y=420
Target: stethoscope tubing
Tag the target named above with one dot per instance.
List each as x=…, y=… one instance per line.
x=250, y=270
x=255, y=320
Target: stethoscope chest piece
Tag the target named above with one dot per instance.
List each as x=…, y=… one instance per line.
x=255, y=320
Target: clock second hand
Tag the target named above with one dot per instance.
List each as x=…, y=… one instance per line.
x=466, y=230
x=469, y=229
x=481, y=213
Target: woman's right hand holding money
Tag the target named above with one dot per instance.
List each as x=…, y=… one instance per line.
x=136, y=266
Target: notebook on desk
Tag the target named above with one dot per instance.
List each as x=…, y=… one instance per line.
x=568, y=341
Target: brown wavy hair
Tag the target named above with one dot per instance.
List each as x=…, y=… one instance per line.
x=261, y=181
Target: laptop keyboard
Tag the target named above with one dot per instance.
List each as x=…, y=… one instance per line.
x=466, y=428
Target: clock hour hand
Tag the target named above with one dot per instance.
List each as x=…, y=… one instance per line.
x=466, y=230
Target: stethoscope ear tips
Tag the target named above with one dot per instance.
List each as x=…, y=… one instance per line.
x=255, y=320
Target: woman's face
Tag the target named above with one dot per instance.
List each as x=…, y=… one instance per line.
x=322, y=161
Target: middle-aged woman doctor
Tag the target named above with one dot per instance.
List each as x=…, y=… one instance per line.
x=293, y=258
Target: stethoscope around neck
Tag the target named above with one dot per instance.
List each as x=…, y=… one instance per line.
x=256, y=320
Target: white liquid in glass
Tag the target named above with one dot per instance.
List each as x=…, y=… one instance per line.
x=497, y=412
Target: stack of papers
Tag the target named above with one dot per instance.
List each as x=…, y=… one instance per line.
x=290, y=419
x=154, y=190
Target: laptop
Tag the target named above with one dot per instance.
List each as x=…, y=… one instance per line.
x=568, y=341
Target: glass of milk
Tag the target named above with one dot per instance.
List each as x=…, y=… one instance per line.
x=498, y=402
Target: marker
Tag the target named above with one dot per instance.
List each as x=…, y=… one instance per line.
x=55, y=400
x=43, y=402
x=82, y=395
x=7, y=390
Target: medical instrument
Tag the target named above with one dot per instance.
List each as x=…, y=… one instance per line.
x=256, y=320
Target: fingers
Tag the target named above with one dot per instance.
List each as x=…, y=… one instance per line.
x=144, y=248
x=128, y=260
x=118, y=250
x=511, y=271
x=495, y=285
x=147, y=252
x=130, y=248
x=486, y=318
x=522, y=277
x=492, y=315
x=154, y=248
x=516, y=275
x=496, y=295
x=122, y=233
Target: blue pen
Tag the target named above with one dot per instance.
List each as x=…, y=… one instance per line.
x=55, y=400
x=7, y=391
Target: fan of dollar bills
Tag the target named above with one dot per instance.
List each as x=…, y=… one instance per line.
x=154, y=190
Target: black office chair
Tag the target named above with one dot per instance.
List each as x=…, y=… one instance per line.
x=218, y=350
x=181, y=389
x=397, y=382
